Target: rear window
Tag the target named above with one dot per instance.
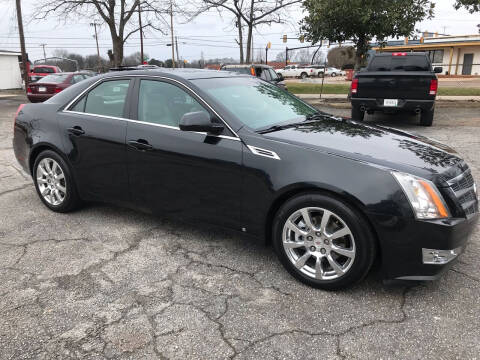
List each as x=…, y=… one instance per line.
x=53, y=79
x=43, y=70
x=240, y=70
x=399, y=63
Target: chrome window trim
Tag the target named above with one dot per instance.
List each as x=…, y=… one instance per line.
x=151, y=124
x=67, y=108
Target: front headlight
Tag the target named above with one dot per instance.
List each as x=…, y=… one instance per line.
x=426, y=200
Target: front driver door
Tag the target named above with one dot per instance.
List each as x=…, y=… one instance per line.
x=187, y=175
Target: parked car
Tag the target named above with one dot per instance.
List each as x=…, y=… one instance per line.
x=262, y=71
x=320, y=71
x=296, y=71
x=52, y=84
x=396, y=82
x=331, y=194
x=39, y=71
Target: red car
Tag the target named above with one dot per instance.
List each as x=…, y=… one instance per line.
x=52, y=84
x=39, y=71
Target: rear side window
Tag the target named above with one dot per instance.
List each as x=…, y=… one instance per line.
x=106, y=99
x=77, y=78
x=399, y=63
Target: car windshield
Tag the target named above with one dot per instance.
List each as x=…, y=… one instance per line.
x=43, y=70
x=256, y=103
x=53, y=79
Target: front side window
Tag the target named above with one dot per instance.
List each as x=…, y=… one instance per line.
x=164, y=103
x=255, y=103
x=273, y=74
x=106, y=99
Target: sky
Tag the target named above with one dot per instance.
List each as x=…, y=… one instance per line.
x=209, y=33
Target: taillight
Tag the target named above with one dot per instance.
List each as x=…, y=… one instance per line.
x=354, y=87
x=399, y=54
x=252, y=71
x=433, y=87
x=57, y=90
x=29, y=90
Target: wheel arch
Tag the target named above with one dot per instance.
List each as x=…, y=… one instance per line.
x=39, y=148
x=349, y=199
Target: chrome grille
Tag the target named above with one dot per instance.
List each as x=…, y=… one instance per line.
x=464, y=188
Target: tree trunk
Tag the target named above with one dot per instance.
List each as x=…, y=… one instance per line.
x=240, y=38
x=361, y=52
x=249, y=57
x=117, y=51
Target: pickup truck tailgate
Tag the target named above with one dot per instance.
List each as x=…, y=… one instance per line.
x=394, y=85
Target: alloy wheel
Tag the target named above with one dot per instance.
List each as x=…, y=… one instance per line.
x=318, y=243
x=51, y=181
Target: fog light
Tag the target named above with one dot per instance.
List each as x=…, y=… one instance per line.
x=440, y=257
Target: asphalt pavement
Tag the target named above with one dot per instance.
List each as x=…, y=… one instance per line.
x=106, y=282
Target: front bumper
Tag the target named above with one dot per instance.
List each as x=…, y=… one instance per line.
x=405, y=242
x=404, y=105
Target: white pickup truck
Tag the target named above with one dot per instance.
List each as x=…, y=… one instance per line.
x=297, y=71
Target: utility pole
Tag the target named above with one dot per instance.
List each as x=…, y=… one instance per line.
x=44, y=54
x=171, y=31
x=22, y=44
x=141, y=31
x=176, y=49
x=94, y=24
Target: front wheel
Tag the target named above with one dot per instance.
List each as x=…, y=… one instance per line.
x=334, y=74
x=426, y=117
x=357, y=113
x=323, y=242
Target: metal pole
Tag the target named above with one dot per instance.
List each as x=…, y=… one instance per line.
x=286, y=56
x=176, y=49
x=22, y=44
x=171, y=30
x=141, y=32
x=94, y=24
x=44, y=54
x=266, y=55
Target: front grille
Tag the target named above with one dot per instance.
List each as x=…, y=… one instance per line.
x=463, y=187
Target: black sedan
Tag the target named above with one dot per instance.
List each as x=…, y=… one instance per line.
x=331, y=195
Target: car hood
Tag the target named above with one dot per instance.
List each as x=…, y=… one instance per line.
x=383, y=146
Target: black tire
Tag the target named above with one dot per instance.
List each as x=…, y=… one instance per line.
x=303, y=75
x=426, y=117
x=365, y=243
x=357, y=114
x=71, y=199
x=320, y=74
x=334, y=74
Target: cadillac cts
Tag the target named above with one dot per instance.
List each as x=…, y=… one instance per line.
x=331, y=195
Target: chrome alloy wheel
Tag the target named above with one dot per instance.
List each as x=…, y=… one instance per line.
x=51, y=181
x=318, y=243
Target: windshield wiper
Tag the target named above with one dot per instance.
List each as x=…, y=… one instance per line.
x=308, y=120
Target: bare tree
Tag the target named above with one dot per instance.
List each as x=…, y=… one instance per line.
x=252, y=13
x=116, y=14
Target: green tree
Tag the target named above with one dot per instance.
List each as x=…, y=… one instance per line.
x=470, y=5
x=362, y=21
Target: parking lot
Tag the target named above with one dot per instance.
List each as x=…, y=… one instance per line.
x=107, y=282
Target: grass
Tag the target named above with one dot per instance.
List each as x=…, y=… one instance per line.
x=298, y=88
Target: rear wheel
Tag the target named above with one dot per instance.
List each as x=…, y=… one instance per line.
x=426, y=117
x=357, y=113
x=320, y=74
x=323, y=242
x=303, y=75
x=54, y=182
x=334, y=74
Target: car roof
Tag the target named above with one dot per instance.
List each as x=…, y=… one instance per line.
x=183, y=73
x=396, y=52
x=236, y=66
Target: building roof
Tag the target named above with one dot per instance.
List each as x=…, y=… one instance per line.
x=8, y=52
x=427, y=43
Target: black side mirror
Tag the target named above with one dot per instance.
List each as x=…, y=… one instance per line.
x=200, y=121
x=438, y=70
x=280, y=76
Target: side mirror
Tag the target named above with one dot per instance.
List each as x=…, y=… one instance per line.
x=280, y=76
x=200, y=121
x=438, y=70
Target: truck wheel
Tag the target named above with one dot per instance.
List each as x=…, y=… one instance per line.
x=357, y=114
x=334, y=74
x=320, y=74
x=303, y=75
x=426, y=117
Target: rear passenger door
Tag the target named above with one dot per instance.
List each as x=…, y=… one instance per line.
x=94, y=129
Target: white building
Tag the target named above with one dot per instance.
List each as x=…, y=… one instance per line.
x=458, y=55
x=10, y=74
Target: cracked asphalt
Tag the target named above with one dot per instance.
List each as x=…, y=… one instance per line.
x=106, y=282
